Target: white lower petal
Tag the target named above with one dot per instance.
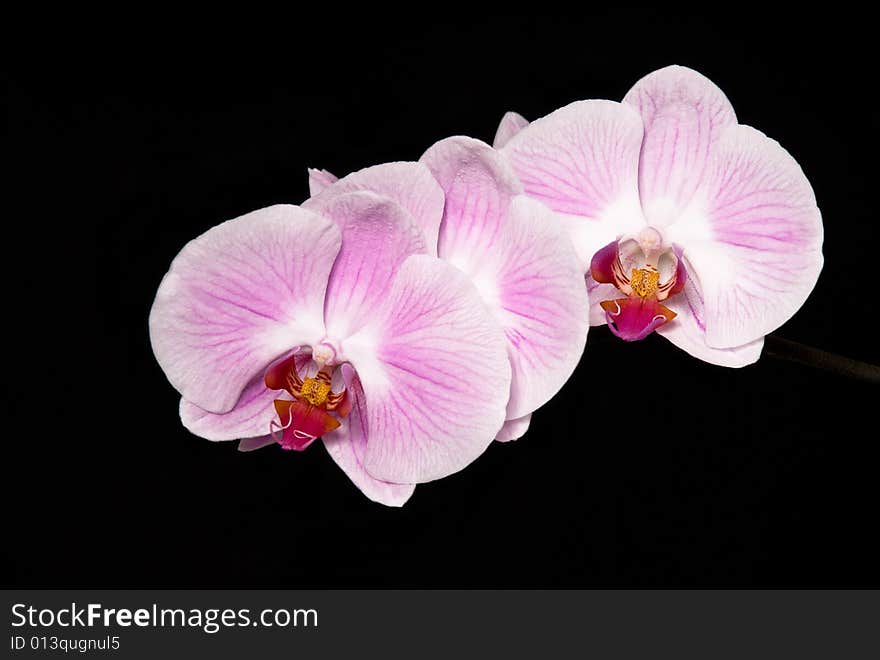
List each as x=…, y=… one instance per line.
x=341, y=446
x=752, y=241
x=687, y=331
x=435, y=375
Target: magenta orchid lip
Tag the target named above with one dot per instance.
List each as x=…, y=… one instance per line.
x=410, y=313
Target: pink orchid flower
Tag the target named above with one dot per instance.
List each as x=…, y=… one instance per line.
x=286, y=324
x=688, y=224
x=509, y=246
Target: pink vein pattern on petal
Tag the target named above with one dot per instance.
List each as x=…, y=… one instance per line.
x=237, y=297
x=541, y=302
x=582, y=160
x=435, y=375
x=684, y=114
x=341, y=445
x=377, y=236
x=757, y=254
x=511, y=124
x=249, y=418
x=479, y=185
x=409, y=184
x=521, y=261
x=688, y=331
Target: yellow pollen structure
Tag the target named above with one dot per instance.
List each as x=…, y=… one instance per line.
x=644, y=281
x=315, y=391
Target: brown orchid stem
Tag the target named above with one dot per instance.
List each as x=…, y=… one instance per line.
x=783, y=349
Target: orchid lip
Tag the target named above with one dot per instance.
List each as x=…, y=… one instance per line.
x=655, y=323
x=634, y=267
x=307, y=416
x=634, y=318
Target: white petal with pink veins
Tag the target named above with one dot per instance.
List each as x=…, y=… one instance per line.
x=478, y=184
x=377, y=236
x=752, y=238
x=435, y=374
x=684, y=114
x=542, y=303
x=237, y=297
x=582, y=161
x=687, y=331
x=342, y=445
x=521, y=261
x=249, y=418
x=409, y=184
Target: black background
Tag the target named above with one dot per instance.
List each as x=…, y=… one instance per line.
x=650, y=468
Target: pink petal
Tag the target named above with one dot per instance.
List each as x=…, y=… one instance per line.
x=383, y=492
x=319, y=180
x=754, y=242
x=687, y=331
x=237, y=297
x=342, y=444
x=478, y=184
x=511, y=124
x=435, y=374
x=377, y=236
x=514, y=429
x=408, y=184
x=540, y=300
x=582, y=160
x=249, y=418
x=522, y=262
x=684, y=114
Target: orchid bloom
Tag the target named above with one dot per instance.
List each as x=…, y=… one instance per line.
x=285, y=325
x=509, y=246
x=686, y=222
